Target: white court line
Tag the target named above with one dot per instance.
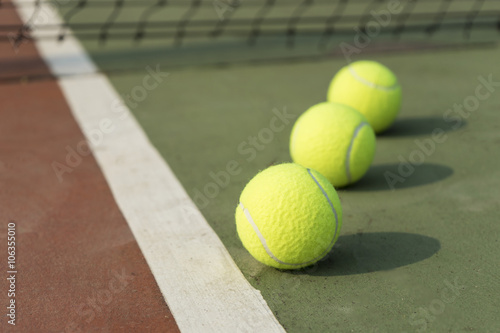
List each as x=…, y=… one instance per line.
x=200, y=282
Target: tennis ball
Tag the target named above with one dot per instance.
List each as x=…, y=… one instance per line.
x=335, y=140
x=370, y=88
x=288, y=216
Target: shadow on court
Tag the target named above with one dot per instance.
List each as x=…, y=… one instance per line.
x=385, y=177
x=371, y=252
x=414, y=126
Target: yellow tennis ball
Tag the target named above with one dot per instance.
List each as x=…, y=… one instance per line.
x=288, y=216
x=371, y=88
x=335, y=140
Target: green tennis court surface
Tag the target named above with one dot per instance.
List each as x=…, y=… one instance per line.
x=419, y=246
x=422, y=255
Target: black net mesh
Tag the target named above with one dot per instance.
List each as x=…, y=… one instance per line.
x=218, y=31
x=181, y=20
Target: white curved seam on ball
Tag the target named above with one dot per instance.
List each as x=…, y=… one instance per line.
x=361, y=79
x=264, y=242
x=261, y=237
x=348, y=155
x=334, y=213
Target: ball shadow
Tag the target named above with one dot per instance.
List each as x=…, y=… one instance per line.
x=413, y=126
x=385, y=177
x=372, y=252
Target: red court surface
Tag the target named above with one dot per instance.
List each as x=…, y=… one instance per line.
x=79, y=268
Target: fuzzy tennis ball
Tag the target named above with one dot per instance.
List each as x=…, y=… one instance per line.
x=371, y=88
x=335, y=140
x=288, y=216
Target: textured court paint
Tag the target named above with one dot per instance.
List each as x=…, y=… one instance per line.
x=203, y=287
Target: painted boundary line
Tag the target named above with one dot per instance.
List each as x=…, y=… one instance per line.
x=203, y=287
